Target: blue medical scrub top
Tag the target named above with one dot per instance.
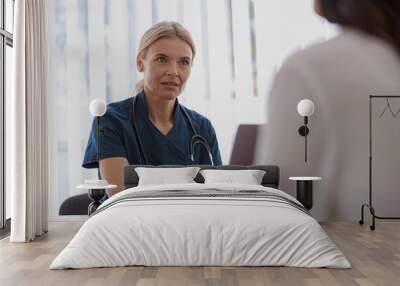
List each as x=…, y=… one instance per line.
x=118, y=137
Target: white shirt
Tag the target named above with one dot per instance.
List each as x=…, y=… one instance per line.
x=338, y=75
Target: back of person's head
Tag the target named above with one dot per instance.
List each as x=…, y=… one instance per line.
x=162, y=30
x=380, y=18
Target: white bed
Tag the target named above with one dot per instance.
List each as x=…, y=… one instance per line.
x=203, y=231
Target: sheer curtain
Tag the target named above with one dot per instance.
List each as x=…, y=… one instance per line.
x=28, y=123
x=93, y=43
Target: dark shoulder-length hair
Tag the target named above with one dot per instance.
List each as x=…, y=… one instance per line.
x=376, y=17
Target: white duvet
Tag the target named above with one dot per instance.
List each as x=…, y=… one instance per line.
x=200, y=231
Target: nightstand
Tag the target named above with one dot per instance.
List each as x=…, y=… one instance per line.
x=95, y=194
x=304, y=190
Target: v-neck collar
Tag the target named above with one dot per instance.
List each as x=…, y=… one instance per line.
x=170, y=138
x=175, y=111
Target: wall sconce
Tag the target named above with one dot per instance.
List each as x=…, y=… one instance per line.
x=305, y=108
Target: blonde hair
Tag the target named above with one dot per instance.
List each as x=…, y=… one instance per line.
x=170, y=30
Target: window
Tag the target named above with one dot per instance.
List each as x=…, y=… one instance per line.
x=6, y=44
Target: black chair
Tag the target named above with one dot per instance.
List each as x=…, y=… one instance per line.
x=75, y=205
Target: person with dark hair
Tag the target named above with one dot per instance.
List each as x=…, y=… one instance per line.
x=338, y=76
x=378, y=18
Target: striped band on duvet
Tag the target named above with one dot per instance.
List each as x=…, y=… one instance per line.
x=206, y=194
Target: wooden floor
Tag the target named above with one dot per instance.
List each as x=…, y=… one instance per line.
x=375, y=257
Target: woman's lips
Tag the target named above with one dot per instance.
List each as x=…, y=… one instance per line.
x=170, y=84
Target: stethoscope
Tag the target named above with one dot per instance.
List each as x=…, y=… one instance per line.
x=196, y=138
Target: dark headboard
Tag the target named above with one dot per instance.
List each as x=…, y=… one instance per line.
x=270, y=179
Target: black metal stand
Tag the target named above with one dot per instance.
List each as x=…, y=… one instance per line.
x=369, y=205
x=95, y=195
x=304, y=193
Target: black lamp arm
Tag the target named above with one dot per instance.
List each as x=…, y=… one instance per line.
x=304, y=131
x=98, y=139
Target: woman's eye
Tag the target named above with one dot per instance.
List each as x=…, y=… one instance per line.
x=185, y=62
x=161, y=60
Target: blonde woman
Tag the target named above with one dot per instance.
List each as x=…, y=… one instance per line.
x=153, y=128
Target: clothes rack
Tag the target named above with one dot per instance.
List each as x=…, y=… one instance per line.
x=394, y=114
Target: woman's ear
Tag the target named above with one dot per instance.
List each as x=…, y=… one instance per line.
x=140, y=64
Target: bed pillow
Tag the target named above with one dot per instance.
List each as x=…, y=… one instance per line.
x=248, y=177
x=165, y=176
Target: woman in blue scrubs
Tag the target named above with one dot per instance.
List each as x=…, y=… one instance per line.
x=153, y=128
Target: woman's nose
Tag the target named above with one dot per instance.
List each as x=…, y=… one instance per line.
x=172, y=70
